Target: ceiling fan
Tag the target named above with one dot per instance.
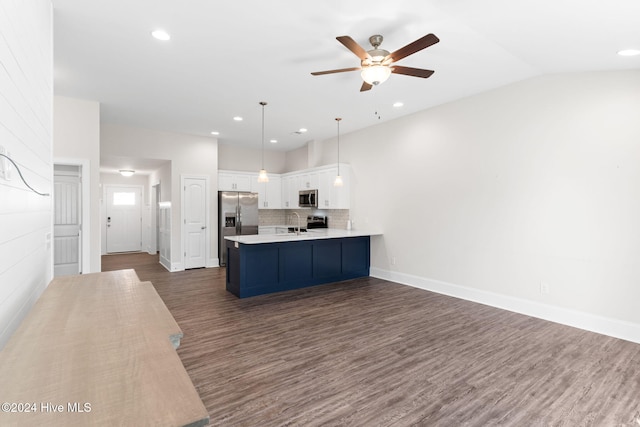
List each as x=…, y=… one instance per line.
x=378, y=64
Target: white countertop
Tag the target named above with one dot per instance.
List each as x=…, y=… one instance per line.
x=314, y=234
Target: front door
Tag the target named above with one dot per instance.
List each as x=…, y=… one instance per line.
x=195, y=222
x=124, y=219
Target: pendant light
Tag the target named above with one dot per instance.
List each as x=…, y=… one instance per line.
x=262, y=176
x=338, y=182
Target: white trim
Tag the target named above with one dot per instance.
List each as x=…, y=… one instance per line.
x=171, y=267
x=165, y=263
x=85, y=177
x=590, y=322
x=207, y=234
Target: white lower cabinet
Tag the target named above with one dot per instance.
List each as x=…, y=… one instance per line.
x=266, y=229
x=273, y=229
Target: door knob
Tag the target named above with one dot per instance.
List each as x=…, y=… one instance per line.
x=202, y=228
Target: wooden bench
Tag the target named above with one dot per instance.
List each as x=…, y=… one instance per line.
x=98, y=349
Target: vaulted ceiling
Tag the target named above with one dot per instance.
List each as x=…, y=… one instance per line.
x=224, y=57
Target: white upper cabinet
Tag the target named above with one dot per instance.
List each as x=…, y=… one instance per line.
x=290, y=191
x=281, y=192
x=308, y=180
x=330, y=196
x=234, y=181
x=269, y=193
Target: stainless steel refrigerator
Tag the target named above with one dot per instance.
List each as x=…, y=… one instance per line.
x=237, y=215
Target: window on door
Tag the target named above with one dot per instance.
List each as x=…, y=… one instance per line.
x=124, y=199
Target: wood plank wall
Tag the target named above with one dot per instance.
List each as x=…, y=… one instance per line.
x=26, y=96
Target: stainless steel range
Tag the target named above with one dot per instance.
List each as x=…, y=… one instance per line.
x=317, y=221
x=313, y=222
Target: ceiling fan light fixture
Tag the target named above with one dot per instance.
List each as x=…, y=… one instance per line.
x=375, y=74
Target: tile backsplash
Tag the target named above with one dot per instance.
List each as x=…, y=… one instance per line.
x=337, y=217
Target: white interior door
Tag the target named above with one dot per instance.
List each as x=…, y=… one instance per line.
x=67, y=220
x=124, y=219
x=195, y=222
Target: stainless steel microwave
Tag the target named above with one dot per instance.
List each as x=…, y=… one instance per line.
x=308, y=199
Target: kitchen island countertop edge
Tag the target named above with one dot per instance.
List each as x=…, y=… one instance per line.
x=329, y=233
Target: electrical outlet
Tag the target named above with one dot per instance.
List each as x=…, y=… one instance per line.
x=544, y=288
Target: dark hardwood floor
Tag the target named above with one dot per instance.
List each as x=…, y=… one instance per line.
x=369, y=352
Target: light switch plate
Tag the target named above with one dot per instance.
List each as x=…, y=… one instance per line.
x=5, y=165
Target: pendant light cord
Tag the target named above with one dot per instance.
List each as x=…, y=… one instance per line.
x=263, y=104
x=338, y=120
x=22, y=177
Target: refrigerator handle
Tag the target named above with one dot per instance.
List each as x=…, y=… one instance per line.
x=238, y=219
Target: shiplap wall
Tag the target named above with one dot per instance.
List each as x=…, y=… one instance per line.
x=26, y=94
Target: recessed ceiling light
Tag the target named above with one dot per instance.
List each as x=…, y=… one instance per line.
x=273, y=141
x=302, y=130
x=161, y=35
x=215, y=132
x=237, y=118
x=629, y=52
x=398, y=104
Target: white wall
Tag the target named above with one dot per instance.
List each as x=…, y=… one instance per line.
x=491, y=195
x=297, y=159
x=76, y=136
x=247, y=159
x=162, y=176
x=189, y=154
x=26, y=93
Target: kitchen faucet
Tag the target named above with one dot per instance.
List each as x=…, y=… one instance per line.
x=296, y=214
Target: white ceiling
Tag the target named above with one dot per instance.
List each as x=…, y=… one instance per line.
x=227, y=56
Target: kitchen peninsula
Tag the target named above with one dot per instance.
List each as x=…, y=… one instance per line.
x=261, y=264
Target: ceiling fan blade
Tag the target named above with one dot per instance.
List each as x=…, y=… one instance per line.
x=365, y=86
x=341, y=70
x=415, y=72
x=354, y=47
x=421, y=43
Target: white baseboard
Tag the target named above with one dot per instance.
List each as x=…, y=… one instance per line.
x=212, y=262
x=590, y=322
x=170, y=266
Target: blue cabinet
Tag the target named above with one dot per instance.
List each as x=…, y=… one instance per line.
x=256, y=269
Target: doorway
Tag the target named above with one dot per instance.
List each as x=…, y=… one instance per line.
x=67, y=220
x=123, y=218
x=196, y=220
